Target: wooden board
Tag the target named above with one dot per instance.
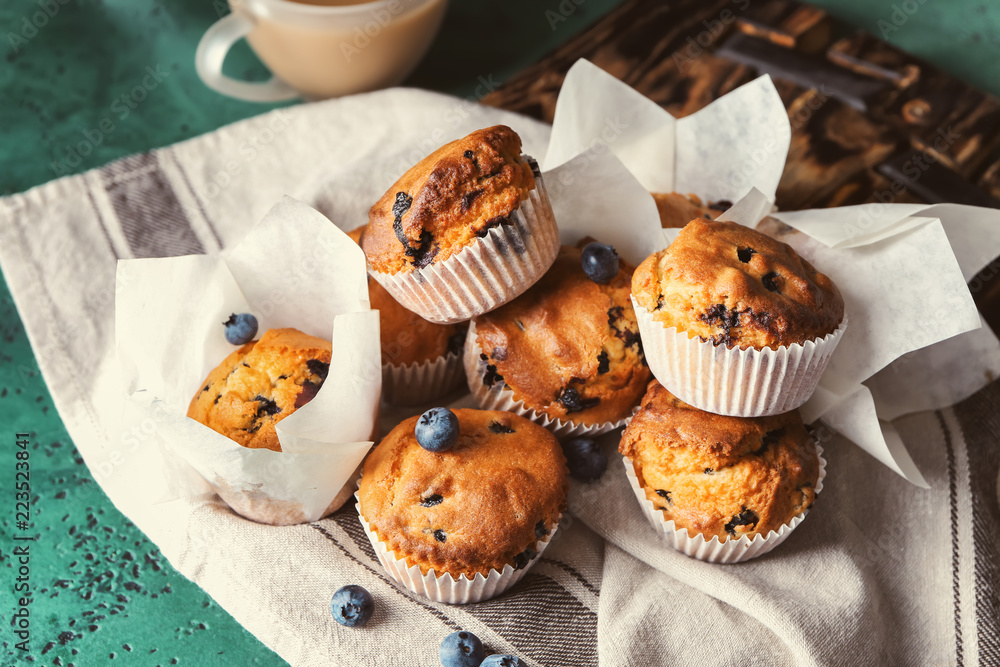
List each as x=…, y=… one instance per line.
x=869, y=122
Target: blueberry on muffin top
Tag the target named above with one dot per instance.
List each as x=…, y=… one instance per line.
x=481, y=504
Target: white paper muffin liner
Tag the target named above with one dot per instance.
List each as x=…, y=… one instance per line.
x=262, y=508
x=488, y=273
x=716, y=550
x=731, y=381
x=500, y=397
x=418, y=383
x=444, y=587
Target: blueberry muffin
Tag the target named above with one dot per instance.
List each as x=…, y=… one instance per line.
x=483, y=504
x=731, y=285
x=676, y=210
x=260, y=384
x=465, y=230
x=721, y=476
x=447, y=200
x=568, y=348
x=408, y=338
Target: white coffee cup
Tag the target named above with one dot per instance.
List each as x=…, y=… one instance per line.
x=317, y=49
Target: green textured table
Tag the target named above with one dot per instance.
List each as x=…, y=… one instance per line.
x=103, y=592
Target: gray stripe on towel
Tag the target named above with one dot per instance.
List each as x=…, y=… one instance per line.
x=979, y=417
x=150, y=215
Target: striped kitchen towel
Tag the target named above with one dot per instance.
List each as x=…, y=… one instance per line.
x=881, y=572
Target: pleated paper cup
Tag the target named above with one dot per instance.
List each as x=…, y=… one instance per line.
x=418, y=383
x=714, y=550
x=731, y=381
x=491, y=271
x=501, y=397
x=262, y=508
x=445, y=587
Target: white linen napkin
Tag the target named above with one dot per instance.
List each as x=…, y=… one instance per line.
x=881, y=572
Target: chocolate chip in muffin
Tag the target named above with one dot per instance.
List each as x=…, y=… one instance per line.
x=763, y=320
x=805, y=496
x=399, y=209
x=497, y=427
x=720, y=205
x=770, y=438
x=491, y=377
x=665, y=495
x=490, y=224
x=541, y=530
x=630, y=338
x=709, y=471
x=265, y=407
x=469, y=155
x=522, y=559
x=720, y=316
x=659, y=302
x=573, y=402
x=217, y=397
x=440, y=536
x=770, y=281
x=422, y=253
x=745, y=254
x=307, y=393
x=744, y=518
x=205, y=389
x=317, y=367
x=468, y=199
x=603, y=363
x=431, y=501
x=614, y=314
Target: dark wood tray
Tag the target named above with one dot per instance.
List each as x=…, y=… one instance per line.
x=869, y=122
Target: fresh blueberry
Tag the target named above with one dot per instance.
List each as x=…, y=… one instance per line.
x=437, y=430
x=600, y=262
x=240, y=329
x=502, y=661
x=586, y=460
x=462, y=649
x=352, y=606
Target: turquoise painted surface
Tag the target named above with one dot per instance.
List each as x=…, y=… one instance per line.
x=67, y=73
